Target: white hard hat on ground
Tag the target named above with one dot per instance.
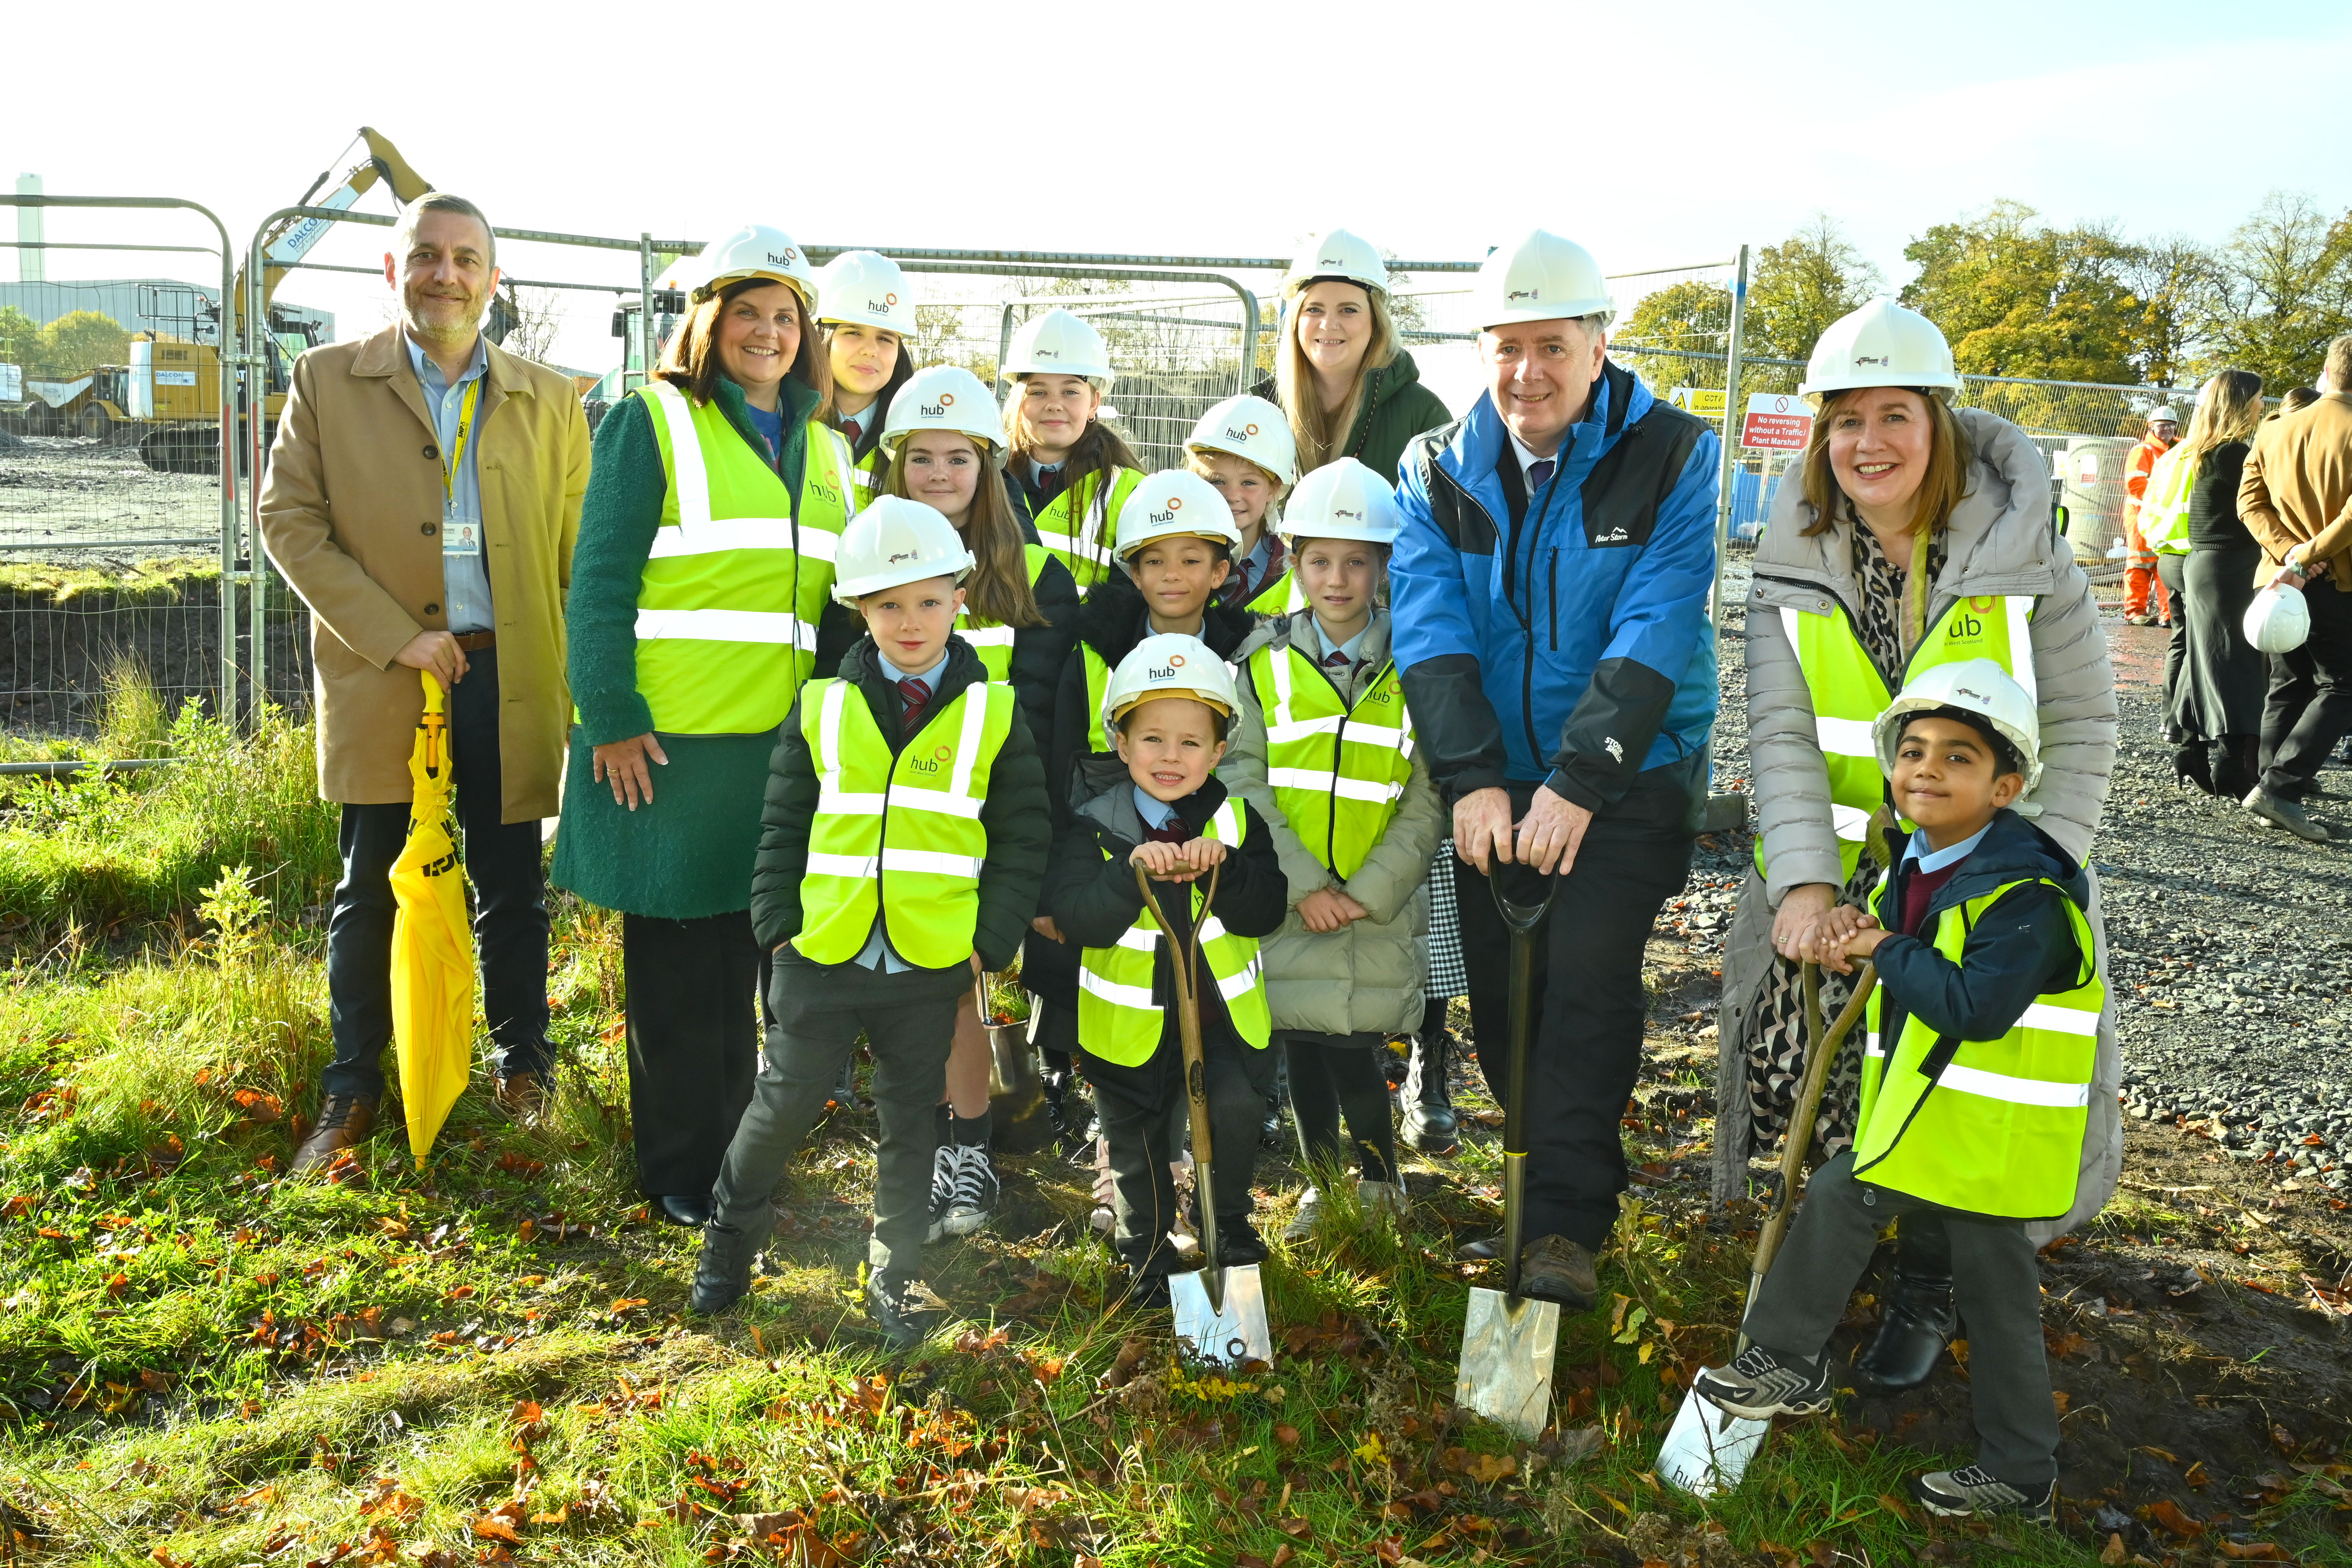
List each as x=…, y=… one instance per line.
x=2279, y=620
x=1252, y=429
x=942, y=397
x=1881, y=344
x=1541, y=277
x=1976, y=685
x=1344, y=499
x=1336, y=253
x=865, y=287
x=756, y=251
x=1174, y=503
x=895, y=541
x=1169, y=664
x=1059, y=343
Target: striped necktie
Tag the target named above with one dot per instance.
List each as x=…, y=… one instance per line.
x=917, y=696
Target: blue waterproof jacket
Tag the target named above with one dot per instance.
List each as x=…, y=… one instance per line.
x=1572, y=648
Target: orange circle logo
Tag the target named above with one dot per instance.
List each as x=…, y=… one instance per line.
x=1175, y=503
x=947, y=400
x=889, y=299
x=1249, y=429
x=1175, y=661
x=942, y=752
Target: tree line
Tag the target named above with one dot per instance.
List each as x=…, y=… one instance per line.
x=73, y=344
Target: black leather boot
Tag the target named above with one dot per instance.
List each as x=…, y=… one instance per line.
x=1917, y=1323
x=722, y=1275
x=2191, y=768
x=1430, y=1122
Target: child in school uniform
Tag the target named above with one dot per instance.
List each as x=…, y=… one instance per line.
x=904, y=841
x=1243, y=448
x=1325, y=754
x=1074, y=473
x=1976, y=1080
x=1156, y=803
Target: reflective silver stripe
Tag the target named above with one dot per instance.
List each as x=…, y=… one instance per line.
x=1227, y=823
x=1211, y=928
x=2015, y=1091
x=931, y=862
x=1375, y=734
x=984, y=637
x=1372, y=789
x=937, y=800
x=1238, y=985
x=857, y=868
x=713, y=535
x=1297, y=778
x=1111, y=990
x=780, y=626
x=830, y=802
x=689, y=474
x=1140, y=939
x=1061, y=542
x=820, y=544
x=844, y=463
x=1281, y=733
x=2020, y=607
x=1279, y=726
x=1870, y=1045
x=1850, y=821
x=2061, y=1020
x=1845, y=737
x=975, y=722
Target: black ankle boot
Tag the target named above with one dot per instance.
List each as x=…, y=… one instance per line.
x=2240, y=769
x=2191, y=765
x=1430, y=1122
x=722, y=1275
x=1916, y=1324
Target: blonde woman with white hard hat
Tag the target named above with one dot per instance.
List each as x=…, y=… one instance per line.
x=1074, y=471
x=1914, y=535
x=866, y=307
x=700, y=601
x=1346, y=385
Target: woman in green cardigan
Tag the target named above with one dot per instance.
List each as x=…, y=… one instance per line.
x=701, y=598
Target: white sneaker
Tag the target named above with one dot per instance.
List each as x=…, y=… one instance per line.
x=1302, y=1225
x=1383, y=1198
x=971, y=1198
x=943, y=1176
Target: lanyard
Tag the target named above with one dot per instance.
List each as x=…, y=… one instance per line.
x=457, y=453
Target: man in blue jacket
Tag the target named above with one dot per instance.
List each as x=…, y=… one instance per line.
x=1550, y=590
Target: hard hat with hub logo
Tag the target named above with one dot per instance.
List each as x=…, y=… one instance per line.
x=1881, y=344
x=1252, y=429
x=942, y=397
x=866, y=287
x=756, y=251
x=1059, y=343
x=1541, y=277
x=1169, y=664
x=1171, y=503
x=1343, y=499
x=1336, y=253
x=1975, y=686
x=893, y=542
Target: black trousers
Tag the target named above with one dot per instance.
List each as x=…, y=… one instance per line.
x=2172, y=571
x=1143, y=1116
x=1335, y=1075
x=2310, y=704
x=1589, y=1002
x=502, y=862
x=696, y=989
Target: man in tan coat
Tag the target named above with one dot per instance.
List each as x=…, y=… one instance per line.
x=2297, y=500
x=424, y=495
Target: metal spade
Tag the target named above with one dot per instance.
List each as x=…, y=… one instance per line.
x=1220, y=1311
x=1508, y=1339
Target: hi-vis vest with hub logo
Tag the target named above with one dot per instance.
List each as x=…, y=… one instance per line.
x=898, y=834
x=1992, y=1126
x=733, y=589
x=1335, y=770
x=1080, y=525
x=990, y=640
x=1118, y=1019
x=1849, y=695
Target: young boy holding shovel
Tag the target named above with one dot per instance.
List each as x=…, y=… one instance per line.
x=1975, y=1087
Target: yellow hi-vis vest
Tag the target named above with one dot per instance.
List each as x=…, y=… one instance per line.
x=1335, y=770
x=2164, y=509
x=991, y=640
x=1080, y=525
x=1282, y=596
x=898, y=834
x=865, y=475
x=1849, y=695
x=735, y=585
x=1118, y=1021
x=1998, y=1129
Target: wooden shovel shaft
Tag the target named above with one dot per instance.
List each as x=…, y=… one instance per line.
x=1181, y=963
x=1798, y=1139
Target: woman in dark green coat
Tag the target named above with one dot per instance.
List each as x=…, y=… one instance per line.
x=701, y=599
x=1346, y=386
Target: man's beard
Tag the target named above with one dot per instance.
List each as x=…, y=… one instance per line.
x=466, y=323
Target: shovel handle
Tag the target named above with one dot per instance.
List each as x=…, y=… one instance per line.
x=1183, y=960
x=1521, y=920
x=1798, y=1140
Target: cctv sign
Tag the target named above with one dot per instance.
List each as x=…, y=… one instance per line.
x=1776, y=422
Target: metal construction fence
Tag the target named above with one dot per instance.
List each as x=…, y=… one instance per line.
x=133, y=545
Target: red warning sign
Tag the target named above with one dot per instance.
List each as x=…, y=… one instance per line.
x=1776, y=422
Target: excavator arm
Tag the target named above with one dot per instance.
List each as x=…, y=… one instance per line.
x=293, y=238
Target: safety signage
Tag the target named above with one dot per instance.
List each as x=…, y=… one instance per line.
x=1776, y=422
x=1706, y=402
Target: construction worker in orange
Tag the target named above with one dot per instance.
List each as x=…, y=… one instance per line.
x=2139, y=559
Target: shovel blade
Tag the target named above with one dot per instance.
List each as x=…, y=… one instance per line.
x=1508, y=1343
x=1233, y=1336
x=1707, y=1451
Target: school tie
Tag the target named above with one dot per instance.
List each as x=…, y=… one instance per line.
x=1049, y=484
x=1173, y=833
x=852, y=432
x=1540, y=473
x=916, y=695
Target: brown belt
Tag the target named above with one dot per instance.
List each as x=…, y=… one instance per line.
x=474, y=642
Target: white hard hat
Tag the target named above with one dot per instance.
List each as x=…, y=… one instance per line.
x=942, y=397
x=1252, y=429
x=1169, y=664
x=895, y=541
x=866, y=286
x=1541, y=277
x=756, y=251
x=1975, y=686
x=1881, y=344
x=2278, y=620
x=2162, y=415
x=1336, y=253
x=1059, y=343
x=1344, y=499
x=1172, y=503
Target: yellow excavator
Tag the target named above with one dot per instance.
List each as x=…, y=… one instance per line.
x=174, y=378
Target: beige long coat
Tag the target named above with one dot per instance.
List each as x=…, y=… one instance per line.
x=351, y=514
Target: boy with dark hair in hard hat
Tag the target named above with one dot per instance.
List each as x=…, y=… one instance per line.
x=1975, y=1087
x=1156, y=803
x=902, y=847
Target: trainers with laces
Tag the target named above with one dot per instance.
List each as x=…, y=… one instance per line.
x=1302, y=1224
x=1381, y=1199
x=2281, y=812
x=971, y=1195
x=943, y=1176
x=1760, y=1385
x=1975, y=1492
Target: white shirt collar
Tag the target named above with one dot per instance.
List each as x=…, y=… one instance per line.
x=1526, y=455
x=1932, y=860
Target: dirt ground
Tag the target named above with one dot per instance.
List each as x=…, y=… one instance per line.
x=70, y=490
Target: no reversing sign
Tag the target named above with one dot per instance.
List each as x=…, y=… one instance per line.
x=1776, y=422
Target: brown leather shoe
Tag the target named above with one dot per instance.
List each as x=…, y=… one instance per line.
x=522, y=1096
x=1554, y=1269
x=344, y=1119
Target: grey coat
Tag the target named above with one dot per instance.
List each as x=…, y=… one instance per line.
x=2001, y=542
x=1368, y=975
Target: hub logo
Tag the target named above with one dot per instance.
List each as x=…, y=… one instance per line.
x=887, y=304
x=1175, y=505
x=930, y=764
x=938, y=410
x=789, y=257
x=1168, y=671
x=1243, y=434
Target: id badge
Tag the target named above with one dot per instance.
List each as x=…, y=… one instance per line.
x=461, y=539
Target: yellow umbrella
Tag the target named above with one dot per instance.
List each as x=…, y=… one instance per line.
x=432, y=942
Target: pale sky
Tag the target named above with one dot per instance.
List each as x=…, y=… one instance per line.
x=1657, y=135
